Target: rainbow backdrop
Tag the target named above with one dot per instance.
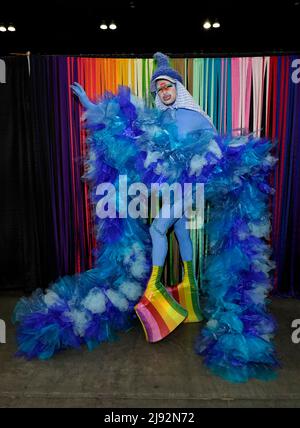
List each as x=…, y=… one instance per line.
x=249, y=92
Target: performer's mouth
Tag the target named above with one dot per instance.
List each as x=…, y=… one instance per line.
x=167, y=98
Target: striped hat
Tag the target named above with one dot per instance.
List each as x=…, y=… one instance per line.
x=163, y=71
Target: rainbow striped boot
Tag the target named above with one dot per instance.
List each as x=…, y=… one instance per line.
x=187, y=294
x=158, y=312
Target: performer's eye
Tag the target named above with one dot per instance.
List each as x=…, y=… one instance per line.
x=170, y=85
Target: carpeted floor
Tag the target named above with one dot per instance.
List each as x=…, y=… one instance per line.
x=133, y=373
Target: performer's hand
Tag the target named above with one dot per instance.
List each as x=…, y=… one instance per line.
x=80, y=93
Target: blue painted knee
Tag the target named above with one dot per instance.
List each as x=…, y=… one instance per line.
x=159, y=226
x=159, y=244
x=181, y=230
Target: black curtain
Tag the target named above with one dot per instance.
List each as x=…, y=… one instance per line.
x=26, y=237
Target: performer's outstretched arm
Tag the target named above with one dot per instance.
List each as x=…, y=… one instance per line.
x=81, y=94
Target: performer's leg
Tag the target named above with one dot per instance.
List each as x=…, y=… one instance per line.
x=158, y=232
x=187, y=292
x=184, y=240
x=157, y=310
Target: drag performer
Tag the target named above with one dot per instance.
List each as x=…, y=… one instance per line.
x=158, y=311
x=174, y=100
x=175, y=142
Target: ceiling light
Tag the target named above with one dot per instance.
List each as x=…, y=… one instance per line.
x=2, y=28
x=103, y=26
x=11, y=27
x=113, y=26
x=207, y=25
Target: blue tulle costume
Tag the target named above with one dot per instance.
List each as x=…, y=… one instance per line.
x=126, y=137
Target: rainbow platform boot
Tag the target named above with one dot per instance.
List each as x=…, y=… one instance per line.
x=157, y=310
x=187, y=294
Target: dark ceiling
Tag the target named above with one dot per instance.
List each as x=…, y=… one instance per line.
x=69, y=27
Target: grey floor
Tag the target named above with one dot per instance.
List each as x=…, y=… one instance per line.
x=133, y=373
